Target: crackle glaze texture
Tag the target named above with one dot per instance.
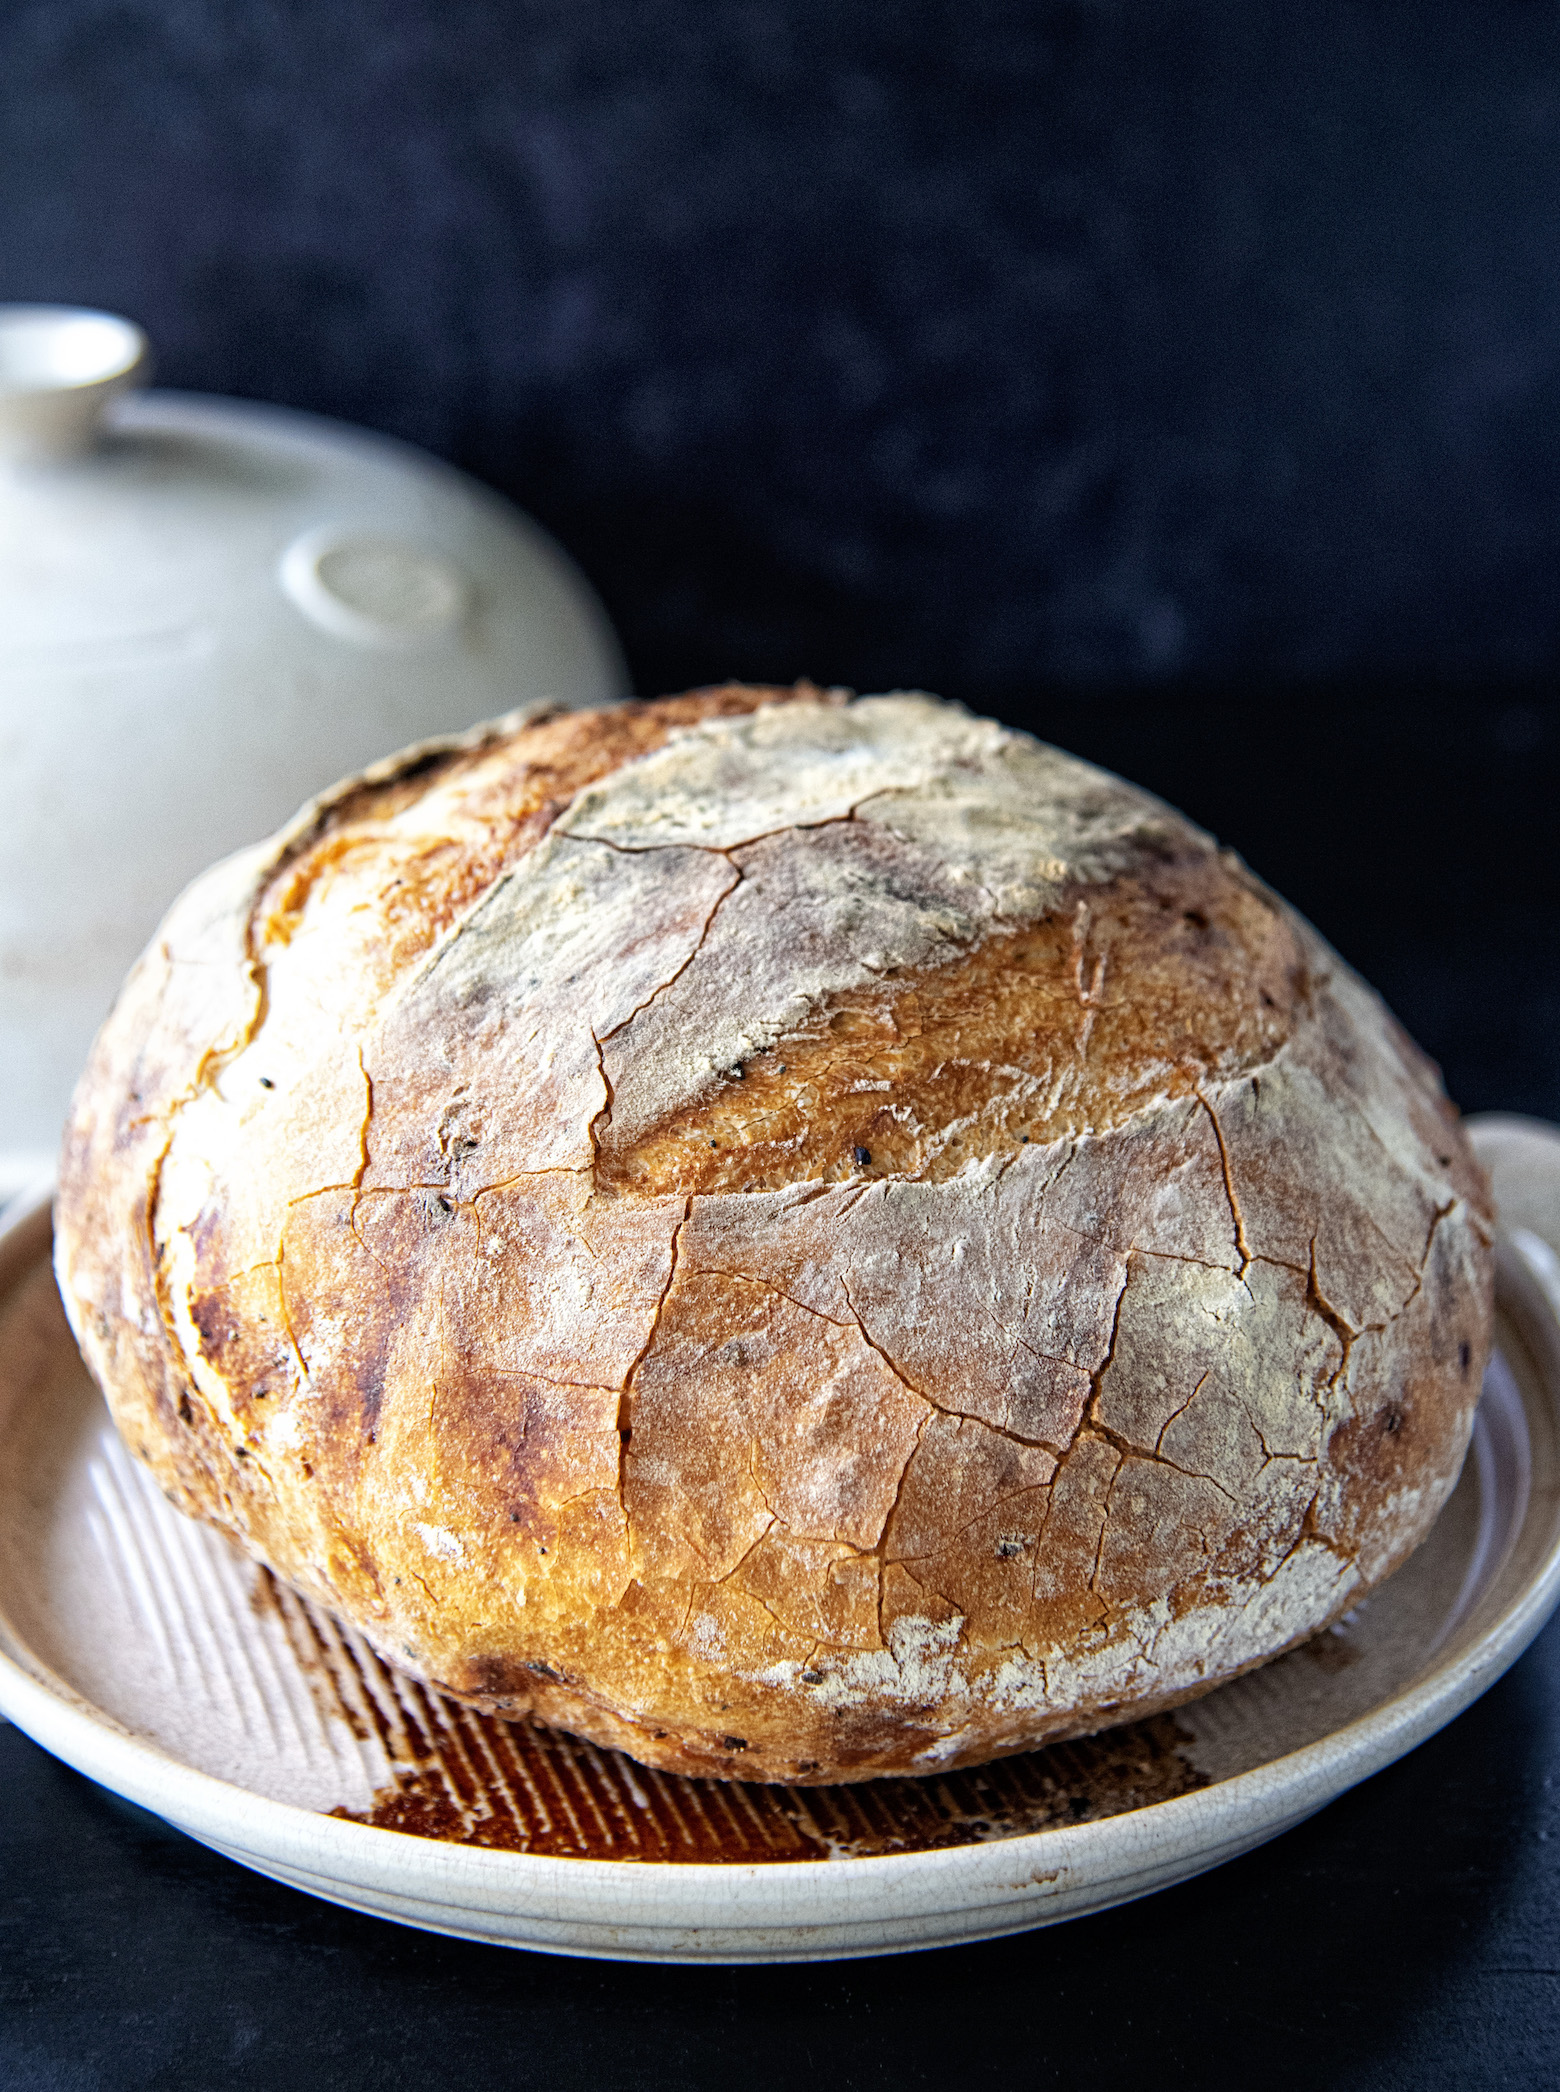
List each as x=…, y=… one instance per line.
x=799, y=1237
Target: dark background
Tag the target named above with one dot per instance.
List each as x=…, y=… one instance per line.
x=1180, y=379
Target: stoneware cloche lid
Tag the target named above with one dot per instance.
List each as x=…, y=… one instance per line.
x=209, y=610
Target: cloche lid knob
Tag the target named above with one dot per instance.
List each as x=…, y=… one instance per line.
x=60, y=365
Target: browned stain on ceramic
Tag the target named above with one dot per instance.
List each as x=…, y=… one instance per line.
x=474, y=1779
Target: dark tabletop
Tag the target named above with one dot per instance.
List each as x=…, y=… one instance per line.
x=1179, y=379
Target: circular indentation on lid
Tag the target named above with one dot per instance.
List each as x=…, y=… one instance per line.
x=371, y=588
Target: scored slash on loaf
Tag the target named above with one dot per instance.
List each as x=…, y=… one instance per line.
x=799, y=1237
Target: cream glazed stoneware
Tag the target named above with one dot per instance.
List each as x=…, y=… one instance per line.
x=142, y=1649
x=209, y=610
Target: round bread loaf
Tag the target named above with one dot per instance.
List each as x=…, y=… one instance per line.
x=800, y=1237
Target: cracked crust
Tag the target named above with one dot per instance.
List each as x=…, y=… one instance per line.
x=802, y=1238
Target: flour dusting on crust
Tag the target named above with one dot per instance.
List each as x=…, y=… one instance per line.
x=799, y=1237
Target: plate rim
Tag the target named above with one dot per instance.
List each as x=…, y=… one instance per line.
x=778, y=1910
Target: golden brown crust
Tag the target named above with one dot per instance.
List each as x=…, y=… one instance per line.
x=1124, y=997
x=495, y=810
x=803, y=1239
